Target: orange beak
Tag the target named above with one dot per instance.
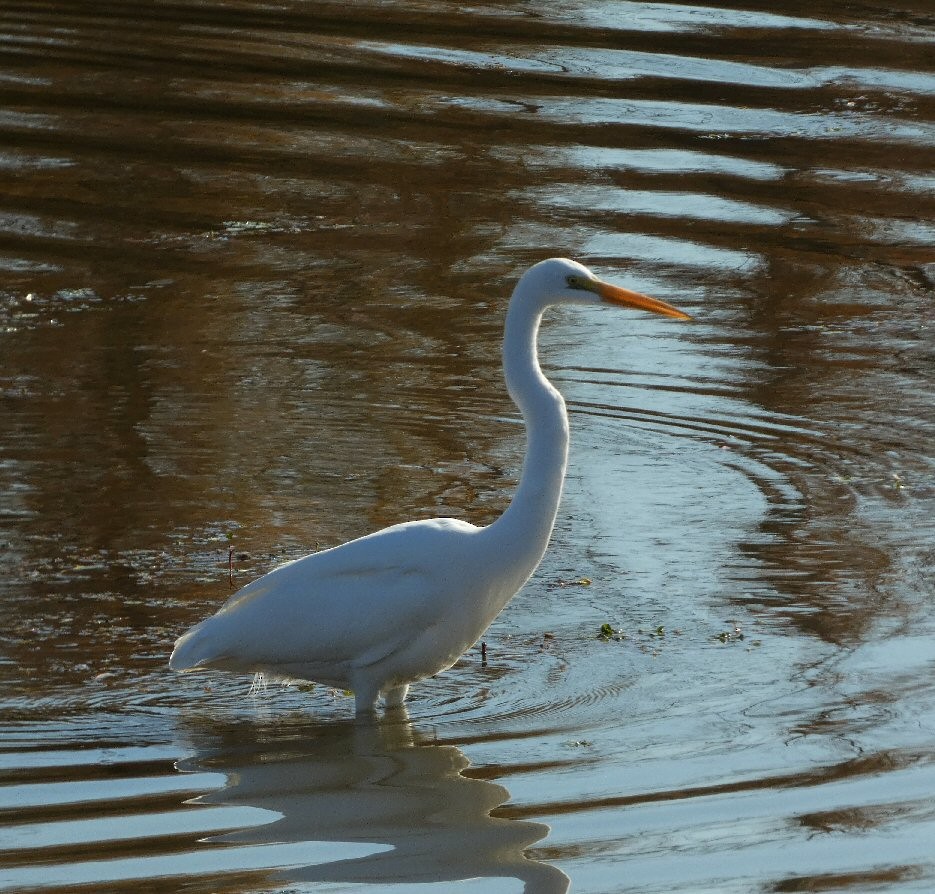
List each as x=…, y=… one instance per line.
x=626, y=298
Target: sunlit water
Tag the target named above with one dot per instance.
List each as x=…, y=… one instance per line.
x=254, y=261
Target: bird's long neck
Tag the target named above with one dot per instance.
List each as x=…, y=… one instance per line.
x=524, y=529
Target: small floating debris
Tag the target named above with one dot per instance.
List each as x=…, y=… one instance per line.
x=577, y=582
x=730, y=636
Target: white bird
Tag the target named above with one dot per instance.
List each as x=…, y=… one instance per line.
x=378, y=613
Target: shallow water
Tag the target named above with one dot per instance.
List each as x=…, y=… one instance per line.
x=254, y=261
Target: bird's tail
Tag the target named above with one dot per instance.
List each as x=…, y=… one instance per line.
x=194, y=649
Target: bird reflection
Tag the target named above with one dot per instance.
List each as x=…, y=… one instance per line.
x=369, y=783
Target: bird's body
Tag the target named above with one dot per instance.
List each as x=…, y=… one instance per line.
x=378, y=613
x=366, y=615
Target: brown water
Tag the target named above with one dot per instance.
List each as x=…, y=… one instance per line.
x=253, y=267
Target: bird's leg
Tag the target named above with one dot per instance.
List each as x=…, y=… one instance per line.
x=396, y=697
x=365, y=700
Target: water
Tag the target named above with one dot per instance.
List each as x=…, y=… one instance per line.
x=253, y=267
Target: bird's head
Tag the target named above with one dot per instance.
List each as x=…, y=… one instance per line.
x=560, y=280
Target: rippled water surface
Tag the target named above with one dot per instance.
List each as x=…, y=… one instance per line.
x=254, y=260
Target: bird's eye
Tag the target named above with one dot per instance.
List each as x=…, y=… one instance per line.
x=579, y=282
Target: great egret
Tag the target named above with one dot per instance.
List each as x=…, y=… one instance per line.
x=380, y=612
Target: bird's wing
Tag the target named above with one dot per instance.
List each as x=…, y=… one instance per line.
x=357, y=601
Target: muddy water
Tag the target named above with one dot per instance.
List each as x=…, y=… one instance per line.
x=253, y=268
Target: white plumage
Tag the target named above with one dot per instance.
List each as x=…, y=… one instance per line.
x=380, y=612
